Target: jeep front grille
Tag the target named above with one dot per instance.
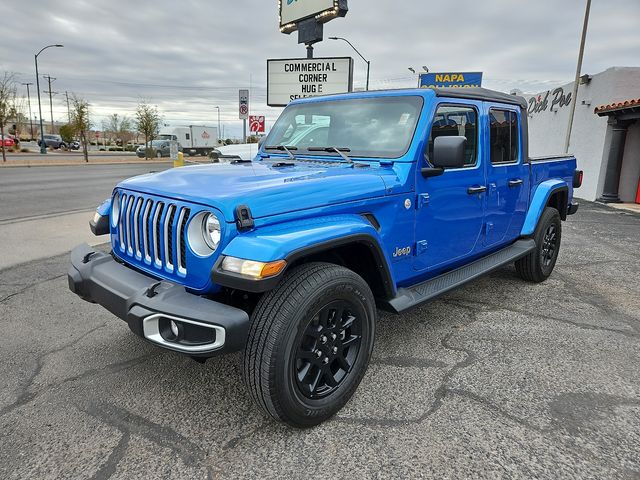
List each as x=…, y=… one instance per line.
x=153, y=232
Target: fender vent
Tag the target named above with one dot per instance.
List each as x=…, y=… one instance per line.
x=369, y=217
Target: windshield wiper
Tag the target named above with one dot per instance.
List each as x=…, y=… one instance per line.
x=337, y=150
x=283, y=148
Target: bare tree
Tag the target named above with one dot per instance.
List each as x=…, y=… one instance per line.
x=120, y=128
x=147, y=123
x=7, y=104
x=81, y=122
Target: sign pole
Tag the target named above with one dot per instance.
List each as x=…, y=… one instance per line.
x=244, y=112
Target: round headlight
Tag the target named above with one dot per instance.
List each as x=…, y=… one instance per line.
x=115, y=210
x=211, y=231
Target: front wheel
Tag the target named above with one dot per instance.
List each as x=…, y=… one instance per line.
x=309, y=343
x=158, y=154
x=538, y=265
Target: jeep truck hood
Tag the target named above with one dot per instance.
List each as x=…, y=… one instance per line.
x=266, y=189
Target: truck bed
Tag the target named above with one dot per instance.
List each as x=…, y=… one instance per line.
x=552, y=167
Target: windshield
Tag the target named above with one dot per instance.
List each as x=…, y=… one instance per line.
x=380, y=127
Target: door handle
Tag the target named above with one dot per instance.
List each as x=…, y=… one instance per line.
x=516, y=182
x=474, y=190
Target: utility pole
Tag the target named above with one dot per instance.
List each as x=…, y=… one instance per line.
x=50, y=78
x=574, y=96
x=29, y=102
x=66, y=94
x=219, y=132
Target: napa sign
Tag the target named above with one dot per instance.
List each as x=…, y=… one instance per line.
x=450, y=79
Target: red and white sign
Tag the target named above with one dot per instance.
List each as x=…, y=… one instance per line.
x=205, y=135
x=256, y=124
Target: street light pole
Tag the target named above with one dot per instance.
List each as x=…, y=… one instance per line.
x=361, y=56
x=29, y=102
x=43, y=147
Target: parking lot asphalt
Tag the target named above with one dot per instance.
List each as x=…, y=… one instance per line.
x=498, y=379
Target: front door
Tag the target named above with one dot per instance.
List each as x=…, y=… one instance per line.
x=450, y=209
x=507, y=177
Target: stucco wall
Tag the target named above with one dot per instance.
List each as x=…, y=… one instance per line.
x=548, y=127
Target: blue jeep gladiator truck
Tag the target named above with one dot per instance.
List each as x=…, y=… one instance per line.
x=355, y=202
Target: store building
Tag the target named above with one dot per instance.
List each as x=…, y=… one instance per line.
x=606, y=131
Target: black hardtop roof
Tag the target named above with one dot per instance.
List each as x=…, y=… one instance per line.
x=477, y=93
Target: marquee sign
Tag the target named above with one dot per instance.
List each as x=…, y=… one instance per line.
x=293, y=12
x=290, y=79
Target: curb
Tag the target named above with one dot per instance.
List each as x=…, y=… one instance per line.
x=54, y=163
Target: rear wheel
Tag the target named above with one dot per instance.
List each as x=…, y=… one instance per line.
x=538, y=265
x=158, y=154
x=309, y=343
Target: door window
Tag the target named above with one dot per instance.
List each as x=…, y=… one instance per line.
x=504, y=133
x=452, y=121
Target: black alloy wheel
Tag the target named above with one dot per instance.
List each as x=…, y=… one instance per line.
x=549, y=245
x=328, y=349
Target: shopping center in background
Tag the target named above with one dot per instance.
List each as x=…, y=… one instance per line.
x=606, y=131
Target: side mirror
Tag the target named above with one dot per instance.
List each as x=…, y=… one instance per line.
x=448, y=152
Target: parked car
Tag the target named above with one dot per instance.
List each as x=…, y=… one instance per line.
x=8, y=141
x=75, y=145
x=288, y=257
x=53, y=141
x=159, y=149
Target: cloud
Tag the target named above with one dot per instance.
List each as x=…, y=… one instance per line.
x=190, y=56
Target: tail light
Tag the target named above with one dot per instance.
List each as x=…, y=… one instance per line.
x=577, y=178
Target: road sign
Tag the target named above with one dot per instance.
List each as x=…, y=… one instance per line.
x=451, y=79
x=244, y=104
x=290, y=79
x=256, y=124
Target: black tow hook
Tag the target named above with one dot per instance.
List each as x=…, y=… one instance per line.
x=87, y=257
x=151, y=291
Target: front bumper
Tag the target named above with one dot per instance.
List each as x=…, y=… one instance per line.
x=148, y=305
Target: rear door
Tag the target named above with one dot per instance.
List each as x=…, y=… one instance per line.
x=507, y=175
x=450, y=210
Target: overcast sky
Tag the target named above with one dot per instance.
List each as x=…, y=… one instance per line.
x=188, y=56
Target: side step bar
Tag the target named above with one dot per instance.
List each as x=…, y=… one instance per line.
x=410, y=297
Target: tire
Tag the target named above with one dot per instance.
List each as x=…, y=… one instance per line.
x=294, y=322
x=538, y=265
x=158, y=154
